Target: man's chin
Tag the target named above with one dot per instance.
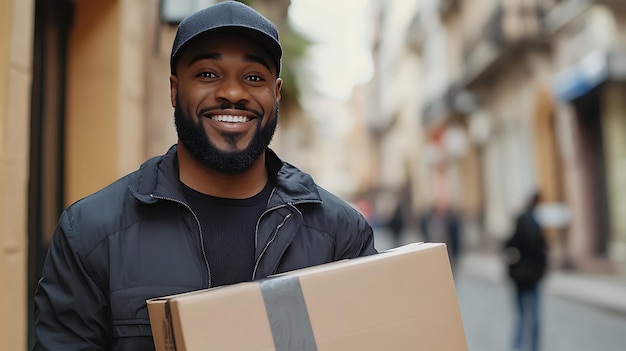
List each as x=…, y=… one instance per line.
x=230, y=150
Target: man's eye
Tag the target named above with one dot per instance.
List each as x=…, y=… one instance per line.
x=255, y=78
x=207, y=75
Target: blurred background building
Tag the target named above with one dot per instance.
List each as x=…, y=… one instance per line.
x=472, y=104
x=529, y=99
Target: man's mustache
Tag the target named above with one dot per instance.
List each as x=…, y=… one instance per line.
x=229, y=105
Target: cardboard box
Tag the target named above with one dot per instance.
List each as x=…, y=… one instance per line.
x=402, y=299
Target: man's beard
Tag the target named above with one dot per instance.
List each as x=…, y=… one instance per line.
x=196, y=141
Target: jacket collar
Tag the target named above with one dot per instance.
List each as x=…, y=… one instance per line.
x=158, y=177
x=291, y=184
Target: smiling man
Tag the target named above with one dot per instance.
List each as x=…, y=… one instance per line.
x=225, y=99
x=218, y=208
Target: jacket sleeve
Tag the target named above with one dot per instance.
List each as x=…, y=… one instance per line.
x=355, y=237
x=71, y=311
x=367, y=237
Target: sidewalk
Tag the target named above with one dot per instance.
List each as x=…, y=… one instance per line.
x=602, y=291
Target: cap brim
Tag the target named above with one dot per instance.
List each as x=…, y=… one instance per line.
x=272, y=47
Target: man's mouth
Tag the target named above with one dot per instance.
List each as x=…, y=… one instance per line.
x=231, y=118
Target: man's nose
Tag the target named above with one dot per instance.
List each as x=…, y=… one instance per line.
x=233, y=90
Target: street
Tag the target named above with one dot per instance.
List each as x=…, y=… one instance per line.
x=487, y=310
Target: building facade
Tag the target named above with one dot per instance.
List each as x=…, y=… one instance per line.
x=590, y=68
x=389, y=105
x=533, y=91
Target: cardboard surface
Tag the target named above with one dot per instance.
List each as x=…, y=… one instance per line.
x=402, y=299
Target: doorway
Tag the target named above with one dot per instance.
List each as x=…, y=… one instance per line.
x=589, y=116
x=53, y=19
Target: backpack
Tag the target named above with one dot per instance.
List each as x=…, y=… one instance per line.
x=525, y=252
x=524, y=272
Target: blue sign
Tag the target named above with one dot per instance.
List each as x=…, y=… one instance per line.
x=583, y=77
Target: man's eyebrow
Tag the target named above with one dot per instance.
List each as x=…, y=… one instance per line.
x=217, y=56
x=211, y=56
x=257, y=59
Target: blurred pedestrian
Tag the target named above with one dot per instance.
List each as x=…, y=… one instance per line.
x=443, y=224
x=397, y=222
x=526, y=258
x=218, y=208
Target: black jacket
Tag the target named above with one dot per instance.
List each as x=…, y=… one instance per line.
x=137, y=239
x=529, y=262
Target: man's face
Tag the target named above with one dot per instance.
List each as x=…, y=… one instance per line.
x=225, y=94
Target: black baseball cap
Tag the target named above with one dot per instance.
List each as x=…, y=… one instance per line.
x=228, y=15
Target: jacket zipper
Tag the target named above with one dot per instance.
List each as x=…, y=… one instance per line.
x=206, y=260
x=256, y=231
x=256, y=264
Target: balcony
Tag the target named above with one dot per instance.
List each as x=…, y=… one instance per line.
x=508, y=32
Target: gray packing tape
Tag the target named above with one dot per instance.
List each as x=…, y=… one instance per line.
x=287, y=314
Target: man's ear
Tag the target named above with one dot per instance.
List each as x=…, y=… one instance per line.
x=173, y=89
x=279, y=85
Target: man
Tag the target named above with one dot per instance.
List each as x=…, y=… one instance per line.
x=218, y=208
x=525, y=252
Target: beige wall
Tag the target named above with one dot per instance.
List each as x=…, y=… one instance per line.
x=131, y=91
x=160, y=131
x=92, y=97
x=106, y=97
x=16, y=23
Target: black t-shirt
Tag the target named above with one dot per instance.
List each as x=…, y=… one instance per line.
x=228, y=230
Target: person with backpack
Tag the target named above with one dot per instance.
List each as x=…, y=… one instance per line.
x=526, y=257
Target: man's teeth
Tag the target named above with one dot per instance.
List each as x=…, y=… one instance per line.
x=231, y=119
